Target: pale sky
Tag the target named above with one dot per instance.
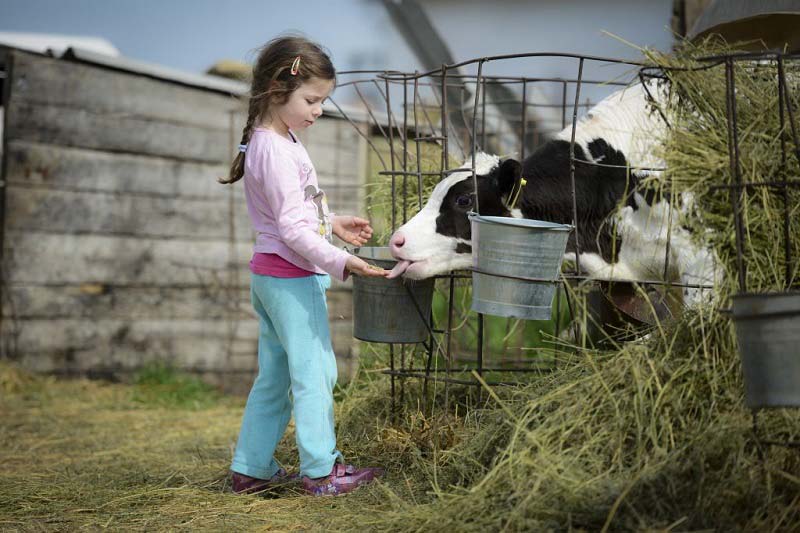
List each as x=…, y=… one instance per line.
x=192, y=34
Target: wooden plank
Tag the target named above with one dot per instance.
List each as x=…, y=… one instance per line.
x=234, y=373
x=348, y=184
x=343, y=203
x=108, y=213
x=363, y=170
x=44, y=335
x=93, y=300
x=108, y=302
x=340, y=318
x=47, y=81
x=332, y=159
x=342, y=339
x=234, y=383
x=47, y=258
x=80, y=344
x=330, y=131
x=68, y=337
x=96, y=300
x=78, y=169
x=85, y=128
x=340, y=305
x=339, y=157
x=84, y=344
x=67, y=168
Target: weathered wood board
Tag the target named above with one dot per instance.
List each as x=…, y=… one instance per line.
x=119, y=245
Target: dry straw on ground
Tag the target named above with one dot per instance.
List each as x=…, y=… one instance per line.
x=652, y=436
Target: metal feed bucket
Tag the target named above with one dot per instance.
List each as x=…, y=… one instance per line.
x=519, y=248
x=383, y=309
x=768, y=331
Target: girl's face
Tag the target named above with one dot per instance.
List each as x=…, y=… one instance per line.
x=303, y=107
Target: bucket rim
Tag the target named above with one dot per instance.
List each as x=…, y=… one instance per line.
x=376, y=253
x=754, y=295
x=755, y=305
x=519, y=222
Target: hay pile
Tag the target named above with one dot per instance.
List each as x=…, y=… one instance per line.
x=696, y=155
x=154, y=455
x=656, y=435
x=379, y=186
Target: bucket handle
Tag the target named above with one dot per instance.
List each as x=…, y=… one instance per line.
x=519, y=278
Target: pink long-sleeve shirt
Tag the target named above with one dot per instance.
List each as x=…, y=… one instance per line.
x=287, y=209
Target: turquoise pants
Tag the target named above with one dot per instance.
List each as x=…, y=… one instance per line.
x=294, y=354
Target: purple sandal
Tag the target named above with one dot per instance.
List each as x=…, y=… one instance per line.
x=342, y=479
x=243, y=484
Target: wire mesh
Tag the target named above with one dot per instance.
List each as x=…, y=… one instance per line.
x=421, y=126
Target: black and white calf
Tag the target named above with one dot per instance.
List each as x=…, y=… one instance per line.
x=623, y=229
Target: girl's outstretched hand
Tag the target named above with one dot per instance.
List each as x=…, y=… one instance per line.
x=353, y=230
x=358, y=266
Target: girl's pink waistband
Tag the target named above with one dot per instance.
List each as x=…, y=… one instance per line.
x=277, y=266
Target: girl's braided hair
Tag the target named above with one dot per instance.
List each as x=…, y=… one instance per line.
x=277, y=73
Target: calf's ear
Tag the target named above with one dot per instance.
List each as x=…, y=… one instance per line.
x=508, y=175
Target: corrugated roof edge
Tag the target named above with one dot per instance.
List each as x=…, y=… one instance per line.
x=212, y=83
x=202, y=81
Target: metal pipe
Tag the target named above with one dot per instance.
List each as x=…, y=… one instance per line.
x=483, y=115
x=787, y=250
x=416, y=139
x=572, y=169
x=480, y=344
x=733, y=151
x=391, y=157
x=405, y=151
x=475, y=138
x=523, y=139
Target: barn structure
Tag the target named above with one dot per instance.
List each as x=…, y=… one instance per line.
x=119, y=247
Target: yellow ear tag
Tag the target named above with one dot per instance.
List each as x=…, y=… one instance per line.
x=522, y=183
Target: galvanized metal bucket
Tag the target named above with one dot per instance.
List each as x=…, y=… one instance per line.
x=768, y=331
x=520, y=248
x=384, y=310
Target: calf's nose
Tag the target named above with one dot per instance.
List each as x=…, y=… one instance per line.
x=396, y=242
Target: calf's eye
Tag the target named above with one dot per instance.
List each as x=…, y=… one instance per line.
x=464, y=200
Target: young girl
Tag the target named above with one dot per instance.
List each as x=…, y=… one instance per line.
x=292, y=261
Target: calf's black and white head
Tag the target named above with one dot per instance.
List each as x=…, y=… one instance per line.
x=624, y=233
x=438, y=238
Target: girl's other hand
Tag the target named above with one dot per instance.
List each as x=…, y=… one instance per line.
x=353, y=230
x=358, y=266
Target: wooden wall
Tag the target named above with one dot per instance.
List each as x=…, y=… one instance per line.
x=119, y=246
x=340, y=156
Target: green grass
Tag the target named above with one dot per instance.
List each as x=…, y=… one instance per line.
x=505, y=340
x=159, y=384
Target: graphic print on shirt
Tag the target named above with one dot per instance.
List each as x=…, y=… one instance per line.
x=323, y=213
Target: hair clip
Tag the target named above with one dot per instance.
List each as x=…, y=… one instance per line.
x=295, y=66
x=243, y=148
